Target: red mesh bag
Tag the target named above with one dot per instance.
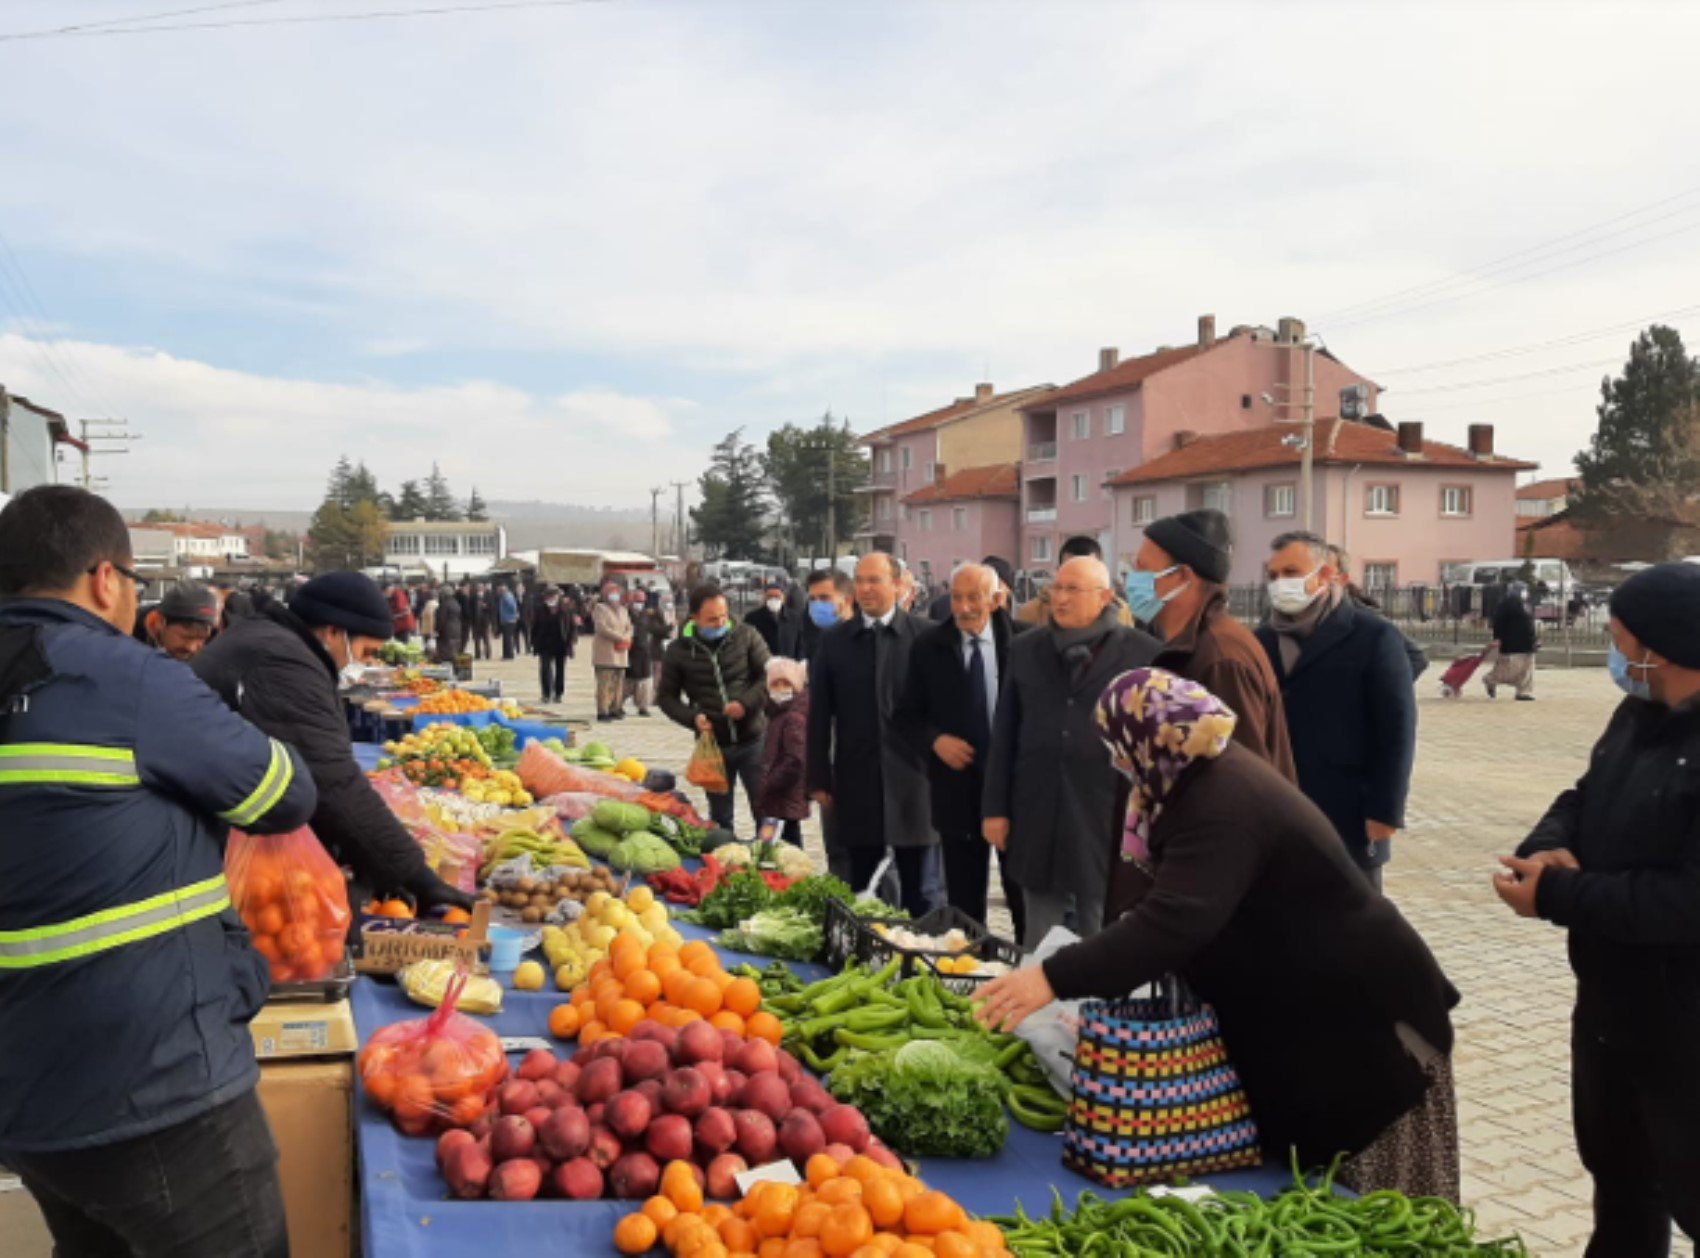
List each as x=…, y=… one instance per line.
x=434, y=1073
x=544, y=773
x=291, y=897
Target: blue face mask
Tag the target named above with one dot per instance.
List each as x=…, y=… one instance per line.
x=1618, y=665
x=1142, y=597
x=711, y=635
x=823, y=613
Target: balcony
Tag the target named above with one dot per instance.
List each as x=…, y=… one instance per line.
x=1042, y=452
x=1041, y=515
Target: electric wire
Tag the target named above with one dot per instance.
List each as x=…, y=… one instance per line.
x=304, y=19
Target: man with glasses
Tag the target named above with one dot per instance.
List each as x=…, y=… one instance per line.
x=127, y=1072
x=1051, y=794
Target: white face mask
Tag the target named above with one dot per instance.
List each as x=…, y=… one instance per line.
x=612, y=598
x=1289, y=595
x=774, y=604
x=351, y=672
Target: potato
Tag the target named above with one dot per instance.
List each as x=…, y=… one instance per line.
x=531, y=914
x=527, y=885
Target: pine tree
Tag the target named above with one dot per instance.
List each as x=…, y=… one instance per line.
x=732, y=518
x=796, y=467
x=411, y=503
x=1643, y=463
x=337, y=490
x=476, y=509
x=439, y=499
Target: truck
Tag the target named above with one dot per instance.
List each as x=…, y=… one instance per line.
x=592, y=567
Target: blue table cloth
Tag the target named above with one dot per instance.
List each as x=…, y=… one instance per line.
x=404, y=1212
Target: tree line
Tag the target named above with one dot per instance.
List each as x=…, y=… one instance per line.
x=349, y=526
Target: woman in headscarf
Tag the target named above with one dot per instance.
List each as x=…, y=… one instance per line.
x=1332, y=1008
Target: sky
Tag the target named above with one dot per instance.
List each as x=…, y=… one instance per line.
x=563, y=249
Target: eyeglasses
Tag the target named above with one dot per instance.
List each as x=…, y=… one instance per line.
x=121, y=570
x=1077, y=589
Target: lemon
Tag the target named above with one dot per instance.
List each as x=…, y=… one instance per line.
x=529, y=977
x=639, y=899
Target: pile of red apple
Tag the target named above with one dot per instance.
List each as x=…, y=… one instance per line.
x=605, y=1122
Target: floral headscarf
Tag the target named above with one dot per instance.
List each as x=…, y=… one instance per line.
x=1155, y=725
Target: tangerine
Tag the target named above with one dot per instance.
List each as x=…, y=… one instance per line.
x=762, y=1025
x=702, y=996
x=636, y=1234
x=660, y=1210
x=811, y=1217
x=564, y=1021
x=819, y=1169
x=726, y=1020
x=679, y=1185
x=643, y=987
x=931, y=1213
x=846, y=1230
x=884, y=1202
x=627, y=1014
x=742, y=996
x=705, y=965
x=841, y=1191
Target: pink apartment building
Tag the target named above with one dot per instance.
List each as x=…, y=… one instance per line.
x=1404, y=507
x=1079, y=438
x=965, y=517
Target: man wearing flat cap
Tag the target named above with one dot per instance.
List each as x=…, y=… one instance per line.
x=1178, y=590
x=181, y=623
x=280, y=668
x=1616, y=862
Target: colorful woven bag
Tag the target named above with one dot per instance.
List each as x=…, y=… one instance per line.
x=1154, y=1094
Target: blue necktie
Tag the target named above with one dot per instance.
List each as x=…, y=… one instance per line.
x=979, y=716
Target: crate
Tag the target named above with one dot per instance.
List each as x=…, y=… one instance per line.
x=851, y=938
x=991, y=948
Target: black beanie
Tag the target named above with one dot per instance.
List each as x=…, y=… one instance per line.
x=345, y=600
x=1661, y=607
x=1199, y=539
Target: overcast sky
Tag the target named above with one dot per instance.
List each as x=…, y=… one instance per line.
x=563, y=250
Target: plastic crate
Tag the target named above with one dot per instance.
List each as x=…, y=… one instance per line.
x=991, y=948
x=851, y=938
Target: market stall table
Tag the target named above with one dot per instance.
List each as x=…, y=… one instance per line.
x=404, y=1211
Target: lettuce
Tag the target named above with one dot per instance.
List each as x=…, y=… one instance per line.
x=926, y=1100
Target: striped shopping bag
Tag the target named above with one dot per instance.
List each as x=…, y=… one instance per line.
x=1154, y=1095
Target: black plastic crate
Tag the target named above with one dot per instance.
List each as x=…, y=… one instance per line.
x=991, y=948
x=851, y=938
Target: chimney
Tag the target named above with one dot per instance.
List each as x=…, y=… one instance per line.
x=983, y=393
x=938, y=473
x=1185, y=438
x=1108, y=358
x=1290, y=331
x=1411, y=437
x=1481, y=441
x=1206, y=331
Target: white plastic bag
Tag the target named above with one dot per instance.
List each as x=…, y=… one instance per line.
x=1054, y=1031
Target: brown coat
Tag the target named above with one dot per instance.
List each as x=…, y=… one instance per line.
x=1220, y=654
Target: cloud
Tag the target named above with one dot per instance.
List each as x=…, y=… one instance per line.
x=216, y=435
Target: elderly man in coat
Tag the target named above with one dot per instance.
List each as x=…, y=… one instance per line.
x=860, y=766
x=1351, y=710
x=612, y=624
x=1051, y=793
x=1178, y=590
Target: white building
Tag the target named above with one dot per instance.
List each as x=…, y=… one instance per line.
x=460, y=548
x=30, y=440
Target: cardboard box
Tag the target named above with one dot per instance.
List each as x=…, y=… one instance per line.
x=303, y=1029
x=310, y=1107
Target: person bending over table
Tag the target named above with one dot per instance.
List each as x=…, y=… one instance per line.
x=1333, y=1010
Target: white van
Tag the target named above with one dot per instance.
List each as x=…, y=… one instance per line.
x=1555, y=574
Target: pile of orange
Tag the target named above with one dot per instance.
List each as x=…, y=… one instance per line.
x=452, y=703
x=666, y=985
x=859, y=1210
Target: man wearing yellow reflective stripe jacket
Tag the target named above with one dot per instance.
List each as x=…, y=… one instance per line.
x=127, y=1073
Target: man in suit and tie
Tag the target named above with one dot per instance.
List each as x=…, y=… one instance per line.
x=956, y=671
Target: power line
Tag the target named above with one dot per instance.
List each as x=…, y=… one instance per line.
x=1475, y=273
x=374, y=15
x=1481, y=404
x=80, y=27
x=1536, y=346
x=1527, y=375
x=40, y=336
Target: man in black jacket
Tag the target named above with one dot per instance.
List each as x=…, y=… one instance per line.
x=280, y=668
x=831, y=596
x=1616, y=862
x=956, y=673
x=714, y=680
x=1351, y=709
x=765, y=619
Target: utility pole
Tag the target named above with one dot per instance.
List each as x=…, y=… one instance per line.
x=1307, y=457
x=655, y=521
x=103, y=436
x=831, y=502
x=5, y=441
x=679, y=546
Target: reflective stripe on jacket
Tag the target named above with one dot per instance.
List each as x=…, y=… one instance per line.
x=126, y=981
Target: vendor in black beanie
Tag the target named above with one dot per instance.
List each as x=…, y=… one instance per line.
x=280, y=668
x=1616, y=862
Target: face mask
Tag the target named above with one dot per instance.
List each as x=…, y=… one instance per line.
x=1618, y=665
x=824, y=614
x=783, y=696
x=1289, y=595
x=711, y=635
x=774, y=604
x=1142, y=597
x=350, y=672
x=613, y=600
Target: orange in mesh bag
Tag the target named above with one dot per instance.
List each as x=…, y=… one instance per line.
x=291, y=897
x=433, y=1073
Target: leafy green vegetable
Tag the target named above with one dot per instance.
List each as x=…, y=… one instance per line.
x=788, y=933
x=812, y=893
x=641, y=852
x=926, y=1100
x=740, y=896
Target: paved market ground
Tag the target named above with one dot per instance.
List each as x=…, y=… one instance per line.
x=1485, y=772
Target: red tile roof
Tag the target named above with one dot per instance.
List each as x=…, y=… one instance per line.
x=1120, y=378
x=1337, y=441
x=1547, y=490
x=995, y=481
x=956, y=410
x=1555, y=538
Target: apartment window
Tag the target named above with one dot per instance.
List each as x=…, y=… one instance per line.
x=442, y=544
x=1078, y=483
x=1280, y=501
x=1109, y=480
x=1217, y=497
x=905, y=458
x=1144, y=509
x=481, y=544
x=885, y=508
x=1381, y=576
x=1082, y=425
x=407, y=544
x=885, y=461
x=959, y=518
x=1381, y=500
x=930, y=472
x=1115, y=421
x=1455, y=500
x=926, y=520
x=903, y=513
x=1040, y=550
